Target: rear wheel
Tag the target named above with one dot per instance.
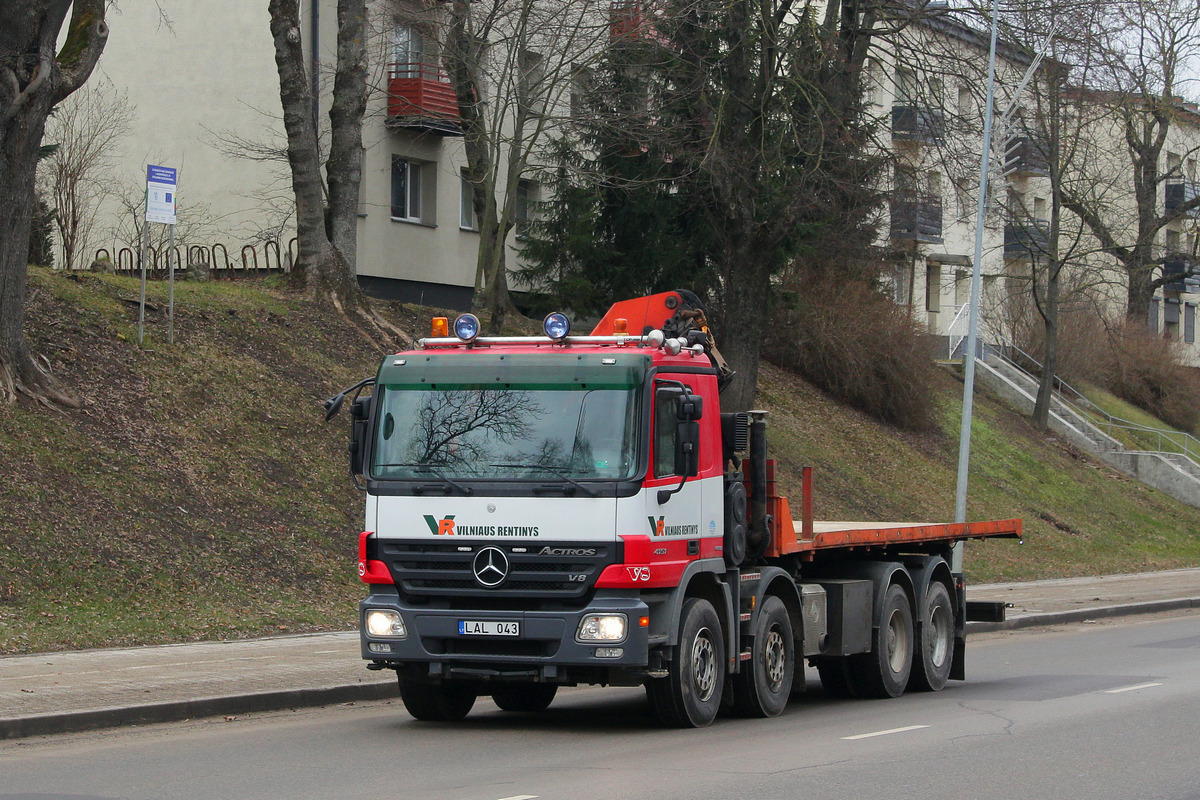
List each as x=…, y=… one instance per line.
x=884, y=671
x=935, y=645
x=763, y=688
x=526, y=697
x=448, y=701
x=690, y=695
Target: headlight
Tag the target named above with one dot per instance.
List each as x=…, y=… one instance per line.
x=385, y=622
x=601, y=628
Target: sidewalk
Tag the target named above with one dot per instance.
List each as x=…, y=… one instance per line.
x=69, y=691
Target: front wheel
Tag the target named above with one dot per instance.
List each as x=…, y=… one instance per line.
x=763, y=688
x=448, y=701
x=690, y=695
x=527, y=697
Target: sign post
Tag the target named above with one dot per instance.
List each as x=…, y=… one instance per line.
x=161, y=184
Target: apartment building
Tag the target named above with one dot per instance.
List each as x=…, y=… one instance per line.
x=418, y=235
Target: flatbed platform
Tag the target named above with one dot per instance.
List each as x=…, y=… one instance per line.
x=827, y=534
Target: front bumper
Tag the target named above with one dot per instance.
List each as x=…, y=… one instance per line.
x=546, y=642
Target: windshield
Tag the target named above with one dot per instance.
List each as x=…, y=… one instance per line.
x=512, y=432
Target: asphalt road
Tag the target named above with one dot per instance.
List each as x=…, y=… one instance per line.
x=1106, y=710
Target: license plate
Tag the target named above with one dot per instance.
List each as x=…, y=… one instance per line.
x=491, y=627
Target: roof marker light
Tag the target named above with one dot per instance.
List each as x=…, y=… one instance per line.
x=440, y=328
x=556, y=325
x=466, y=327
x=620, y=326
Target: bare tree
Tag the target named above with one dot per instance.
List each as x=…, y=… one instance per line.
x=511, y=63
x=33, y=78
x=87, y=130
x=1149, y=46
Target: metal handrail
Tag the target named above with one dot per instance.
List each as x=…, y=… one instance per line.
x=957, y=339
x=1185, y=444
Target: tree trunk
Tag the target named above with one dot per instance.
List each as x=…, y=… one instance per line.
x=320, y=267
x=32, y=80
x=344, y=166
x=1049, y=311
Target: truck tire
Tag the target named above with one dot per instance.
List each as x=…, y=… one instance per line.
x=763, y=687
x=690, y=695
x=448, y=701
x=884, y=671
x=935, y=641
x=527, y=697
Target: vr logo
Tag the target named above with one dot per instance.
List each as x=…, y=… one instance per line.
x=440, y=527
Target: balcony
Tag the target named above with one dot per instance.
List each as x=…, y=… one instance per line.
x=1026, y=241
x=917, y=124
x=1177, y=192
x=1026, y=155
x=917, y=218
x=1180, y=268
x=421, y=98
x=625, y=19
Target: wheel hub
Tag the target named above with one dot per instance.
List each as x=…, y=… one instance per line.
x=704, y=665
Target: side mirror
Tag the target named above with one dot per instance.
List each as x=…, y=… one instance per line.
x=360, y=414
x=687, y=448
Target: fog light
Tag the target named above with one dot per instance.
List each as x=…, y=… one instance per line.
x=556, y=325
x=610, y=652
x=385, y=622
x=379, y=647
x=466, y=327
x=601, y=628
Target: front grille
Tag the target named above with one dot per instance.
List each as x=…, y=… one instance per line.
x=426, y=571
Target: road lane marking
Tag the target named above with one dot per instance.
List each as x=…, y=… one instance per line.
x=521, y=797
x=1133, y=688
x=884, y=733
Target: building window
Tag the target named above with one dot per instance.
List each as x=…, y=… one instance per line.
x=467, y=219
x=966, y=103
x=582, y=79
x=406, y=189
x=530, y=86
x=527, y=196
x=1189, y=323
x=408, y=52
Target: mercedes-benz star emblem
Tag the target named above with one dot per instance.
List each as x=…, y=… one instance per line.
x=490, y=567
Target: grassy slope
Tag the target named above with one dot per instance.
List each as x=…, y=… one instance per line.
x=198, y=495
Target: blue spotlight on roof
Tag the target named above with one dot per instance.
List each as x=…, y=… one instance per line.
x=466, y=327
x=556, y=325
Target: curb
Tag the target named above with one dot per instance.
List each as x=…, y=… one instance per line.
x=175, y=711
x=1084, y=614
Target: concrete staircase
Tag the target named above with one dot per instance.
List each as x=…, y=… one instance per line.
x=1172, y=473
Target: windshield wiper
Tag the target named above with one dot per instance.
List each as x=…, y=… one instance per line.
x=449, y=482
x=567, y=478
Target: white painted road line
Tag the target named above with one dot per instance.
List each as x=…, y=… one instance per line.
x=884, y=733
x=521, y=797
x=1133, y=688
